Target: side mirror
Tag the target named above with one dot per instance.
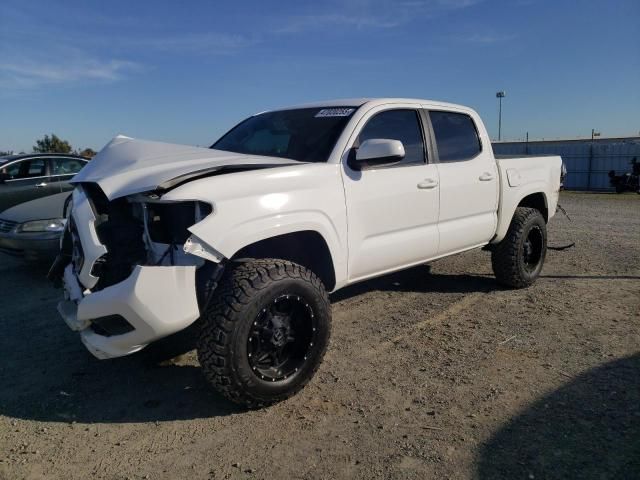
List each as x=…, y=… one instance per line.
x=4, y=177
x=376, y=152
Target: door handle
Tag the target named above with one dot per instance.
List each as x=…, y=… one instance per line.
x=41, y=185
x=486, y=176
x=428, y=183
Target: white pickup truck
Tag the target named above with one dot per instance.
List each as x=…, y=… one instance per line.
x=248, y=236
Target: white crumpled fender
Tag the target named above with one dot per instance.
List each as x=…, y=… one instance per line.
x=255, y=205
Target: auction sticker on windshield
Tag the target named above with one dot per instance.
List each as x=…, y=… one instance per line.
x=335, y=112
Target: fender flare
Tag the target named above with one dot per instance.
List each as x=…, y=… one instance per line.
x=510, y=201
x=245, y=233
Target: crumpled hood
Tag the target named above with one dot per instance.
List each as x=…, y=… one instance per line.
x=126, y=165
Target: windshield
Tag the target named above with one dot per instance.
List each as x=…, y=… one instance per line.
x=305, y=134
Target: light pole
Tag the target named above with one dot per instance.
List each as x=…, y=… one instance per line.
x=500, y=95
x=593, y=135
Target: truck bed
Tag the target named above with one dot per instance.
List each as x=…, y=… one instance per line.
x=521, y=176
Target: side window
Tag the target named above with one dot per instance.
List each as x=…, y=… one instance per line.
x=66, y=166
x=456, y=136
x=36, y=168
x=402, y=125
x=26, y=169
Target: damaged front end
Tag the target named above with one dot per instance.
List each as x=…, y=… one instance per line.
x=132, y=272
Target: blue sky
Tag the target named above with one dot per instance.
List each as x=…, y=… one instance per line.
x=186, y=71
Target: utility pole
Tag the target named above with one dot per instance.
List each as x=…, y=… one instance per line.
x=500, y=95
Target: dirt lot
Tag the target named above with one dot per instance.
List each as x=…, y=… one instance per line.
x=438, y=374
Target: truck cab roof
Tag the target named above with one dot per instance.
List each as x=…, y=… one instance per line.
x=372, y=102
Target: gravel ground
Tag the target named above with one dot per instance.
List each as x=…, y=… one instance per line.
x=431, y=374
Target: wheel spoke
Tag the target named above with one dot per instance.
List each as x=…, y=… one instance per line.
x=282, y=307
x=262, y=356
x=532, y=249
x=275, y=358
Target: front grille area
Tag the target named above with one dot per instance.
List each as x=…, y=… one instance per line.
x=7, y=225
x=120, y=232
x=77, y=254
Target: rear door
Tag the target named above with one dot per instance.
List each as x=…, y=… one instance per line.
x=468, y=181
x=64, y=169
x=392, y=210
x=28, y=179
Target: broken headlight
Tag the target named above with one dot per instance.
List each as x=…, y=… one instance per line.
x=169, y=222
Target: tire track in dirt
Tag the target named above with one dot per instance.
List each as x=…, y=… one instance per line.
x=452, y=310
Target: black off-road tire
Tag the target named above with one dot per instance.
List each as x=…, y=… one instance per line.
x=508, y=258
x=244, y=292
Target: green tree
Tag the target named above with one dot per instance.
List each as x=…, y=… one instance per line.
x=51, y=144
x=87, y=153
x=8, y=152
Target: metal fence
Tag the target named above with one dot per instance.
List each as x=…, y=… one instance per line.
x=588, y=162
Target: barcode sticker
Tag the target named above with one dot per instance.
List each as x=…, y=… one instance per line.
x=335, y=112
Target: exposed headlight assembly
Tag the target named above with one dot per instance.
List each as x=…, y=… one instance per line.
x=50, y=225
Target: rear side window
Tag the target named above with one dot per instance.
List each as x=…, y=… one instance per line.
x=456, y=136
x=400, y=125
x=66, y=166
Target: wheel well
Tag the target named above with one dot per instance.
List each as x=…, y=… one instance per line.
x=306, y=248
x=537, y=201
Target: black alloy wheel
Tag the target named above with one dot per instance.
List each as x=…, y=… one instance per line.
x=281, y=337
x=532, y=249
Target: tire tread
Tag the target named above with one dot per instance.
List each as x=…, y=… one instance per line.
x=504, y=256
x=236, y=290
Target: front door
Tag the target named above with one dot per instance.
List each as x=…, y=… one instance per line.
x=27, y=179
x=392, y=211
